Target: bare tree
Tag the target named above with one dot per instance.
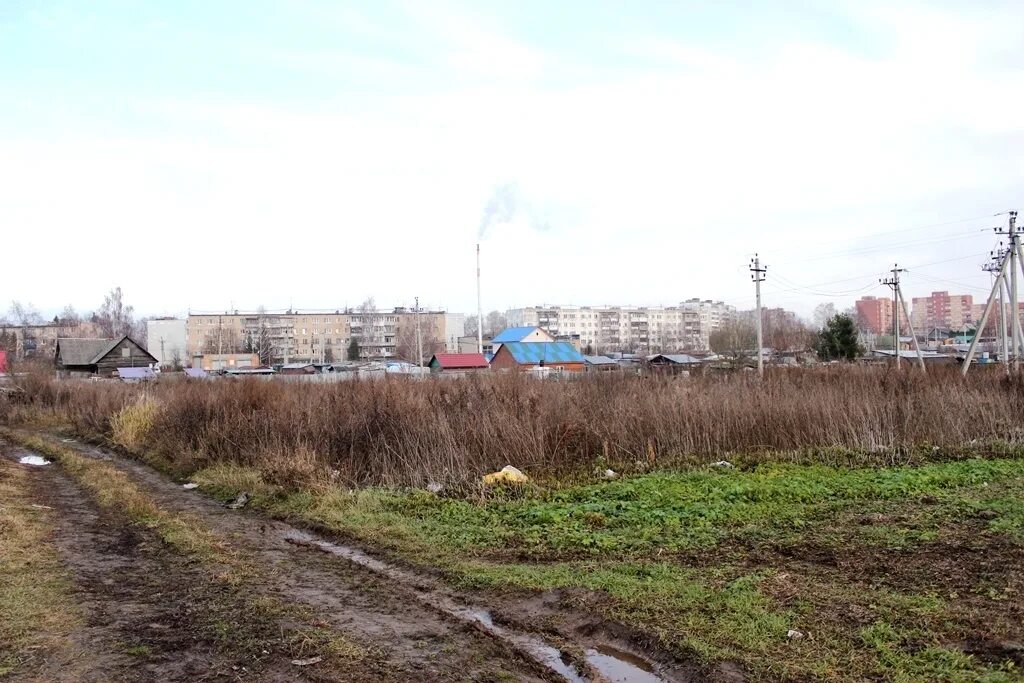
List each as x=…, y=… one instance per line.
x=784, y=331
x=822, y=314
x=371, y=336
x=25, y=314
x=735, y=340
x=259, y=338
x=114, y=317
x=495, y=323
x=471, y=326
x=405, y=342
x=223, y=340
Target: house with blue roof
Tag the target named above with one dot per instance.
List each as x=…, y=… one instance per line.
x=522, y=334
x=555, y=355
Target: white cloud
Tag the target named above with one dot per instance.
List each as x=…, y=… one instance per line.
x=653, y=178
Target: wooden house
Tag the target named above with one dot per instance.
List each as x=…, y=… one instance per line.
x=100, y=357
x=561, y=356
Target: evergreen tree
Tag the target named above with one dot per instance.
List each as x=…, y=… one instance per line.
x=353, y=349
x=837, y=340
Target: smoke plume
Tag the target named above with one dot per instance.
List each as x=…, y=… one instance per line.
x=504, y=206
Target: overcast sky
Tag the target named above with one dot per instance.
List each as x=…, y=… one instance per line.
x=314, y=153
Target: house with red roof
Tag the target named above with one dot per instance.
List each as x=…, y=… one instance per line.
x=458, y=362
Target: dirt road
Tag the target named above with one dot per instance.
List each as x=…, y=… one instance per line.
x=153, y=614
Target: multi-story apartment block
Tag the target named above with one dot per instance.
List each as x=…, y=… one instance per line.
x=874, y=315
x=629, y=328
x=40, y=341
x=942, y=311
x=992, y=325
x=318, y=336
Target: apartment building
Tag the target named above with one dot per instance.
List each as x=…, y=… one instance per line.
x=319, y=336
x=874, y=314
x=978, y=310
x=40, y=341
x=651, y=329
x=943, y=311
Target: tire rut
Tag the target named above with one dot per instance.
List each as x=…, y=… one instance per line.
x=142, y=605
x=417, y=642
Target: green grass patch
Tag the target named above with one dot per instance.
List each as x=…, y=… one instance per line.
x=620, y=542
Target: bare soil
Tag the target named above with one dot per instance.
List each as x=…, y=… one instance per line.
x=152, y=615
x=141, y=595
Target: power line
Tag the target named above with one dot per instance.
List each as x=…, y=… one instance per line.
x=866, y=250
x=883, y=233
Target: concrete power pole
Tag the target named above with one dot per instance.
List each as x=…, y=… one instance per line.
x=757, y=274
x=993, y=267
x=1010, y=259
x=1014, y=307
x=419, y=337
x=906, y=312
x=900, y=304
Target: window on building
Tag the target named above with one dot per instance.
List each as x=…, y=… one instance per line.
x=126, y=352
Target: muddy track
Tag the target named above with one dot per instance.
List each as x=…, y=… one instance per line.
x=424, y=630
x=142, y=604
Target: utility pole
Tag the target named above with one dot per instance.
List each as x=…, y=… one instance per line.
x=892, y=282
x=900, y=304
x=1011, y=258
x=419, y=337
x=161, y=349
x=909, y=321
x=757, y=274
x=1014, y=308
x=992, y=267
x=220, y=336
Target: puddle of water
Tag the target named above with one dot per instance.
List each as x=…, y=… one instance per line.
x=617, y=665
x=36, y=460
x=551, y=657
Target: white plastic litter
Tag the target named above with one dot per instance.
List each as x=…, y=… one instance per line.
x=36, y=460
x=793, y=634
x=307, y=662
x=190, y=486
x=722, y=463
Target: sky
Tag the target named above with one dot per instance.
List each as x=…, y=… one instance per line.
x=310, y=154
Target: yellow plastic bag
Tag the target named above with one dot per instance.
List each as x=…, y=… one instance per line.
x=507, y=475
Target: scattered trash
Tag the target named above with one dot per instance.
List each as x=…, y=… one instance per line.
x=191, y=485
x=793, y=634
x=722, y=463
x=307, y=662
x=67, y=441
x=434, y=487
x=610, y=474
x=40, y=507
x=239, y=502
x=33, y=460
x=507, y=475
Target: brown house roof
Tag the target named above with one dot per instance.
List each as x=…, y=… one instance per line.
x=74, y=351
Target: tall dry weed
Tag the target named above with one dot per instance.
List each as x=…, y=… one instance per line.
x=398, y=431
